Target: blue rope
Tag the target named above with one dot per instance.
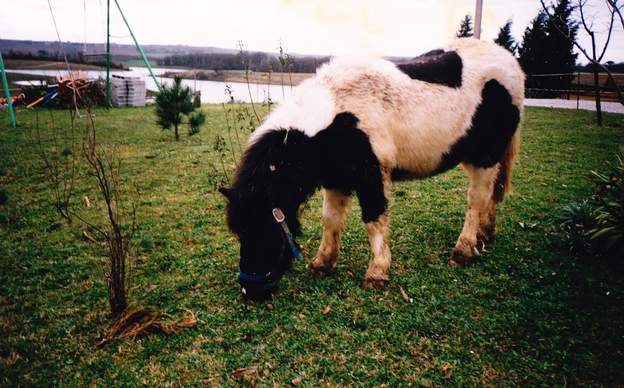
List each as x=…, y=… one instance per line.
x=293, y=247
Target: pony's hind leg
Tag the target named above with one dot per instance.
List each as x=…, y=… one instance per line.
x=479, y=224
x=335, y=209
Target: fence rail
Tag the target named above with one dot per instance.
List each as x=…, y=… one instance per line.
x=576, y=85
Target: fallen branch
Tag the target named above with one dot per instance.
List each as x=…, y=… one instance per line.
x=136, y=323
x=404, y=295
x=88, y=237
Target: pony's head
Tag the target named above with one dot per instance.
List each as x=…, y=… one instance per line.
x=273, y=177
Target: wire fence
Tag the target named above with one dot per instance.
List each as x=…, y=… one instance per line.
x=573, y=86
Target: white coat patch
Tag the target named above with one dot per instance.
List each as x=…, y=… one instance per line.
x=310, y=109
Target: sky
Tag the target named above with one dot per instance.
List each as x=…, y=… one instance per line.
x=327, y=27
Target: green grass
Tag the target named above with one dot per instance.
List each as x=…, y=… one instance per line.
x=526, y=313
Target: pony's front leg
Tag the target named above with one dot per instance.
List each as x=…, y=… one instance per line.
x=374, y=202
x=377, y=272
x=479, y=216
x=335, y=210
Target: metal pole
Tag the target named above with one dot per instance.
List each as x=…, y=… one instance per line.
x=578, y=89
x=138, y=46
x=84, y=10
x=7, y=93
x=108, y=87
x=477, y=21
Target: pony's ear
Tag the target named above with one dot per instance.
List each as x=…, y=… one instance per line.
x=227, y=193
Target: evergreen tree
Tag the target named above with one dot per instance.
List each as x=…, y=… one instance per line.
x=558, y=28
x=505, y=39
x=546, y=49
x=172, y=102
x=532, y=54
x=465, y=27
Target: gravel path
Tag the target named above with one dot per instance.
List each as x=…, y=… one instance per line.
x=614, y=107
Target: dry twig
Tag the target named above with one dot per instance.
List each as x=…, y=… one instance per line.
x=136, y=323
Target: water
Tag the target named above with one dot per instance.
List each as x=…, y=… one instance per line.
x=212, y=92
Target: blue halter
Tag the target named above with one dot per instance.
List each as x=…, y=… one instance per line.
x=280, y=218
x=269, y=280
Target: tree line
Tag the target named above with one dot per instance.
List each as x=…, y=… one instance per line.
x=254, y=61
x=57, y=56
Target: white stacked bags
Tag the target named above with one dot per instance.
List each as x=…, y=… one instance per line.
x=127, y=91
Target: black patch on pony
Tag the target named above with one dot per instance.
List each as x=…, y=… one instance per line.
x=431, y=53
x=348, y=164
x=282, y=169
x=400, y=174
x=494, y=123
x=436, y=66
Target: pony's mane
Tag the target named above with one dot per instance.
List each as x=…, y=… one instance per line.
x=274, y=172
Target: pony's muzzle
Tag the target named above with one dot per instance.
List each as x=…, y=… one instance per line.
x=257, y=287
x=256, y=291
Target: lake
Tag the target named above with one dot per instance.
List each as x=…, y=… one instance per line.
x=213, y=92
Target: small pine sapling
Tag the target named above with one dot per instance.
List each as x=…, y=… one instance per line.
x=172, y=103
x=196, y=120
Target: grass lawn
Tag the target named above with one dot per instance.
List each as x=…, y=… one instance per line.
x=527, y=313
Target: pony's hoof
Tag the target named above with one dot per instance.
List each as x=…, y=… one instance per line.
x=320, y=270
x=459, y=259
x=374, y=283
x=485, y=244
x=485, y=239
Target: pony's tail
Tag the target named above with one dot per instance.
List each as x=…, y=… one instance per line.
x=503, y=180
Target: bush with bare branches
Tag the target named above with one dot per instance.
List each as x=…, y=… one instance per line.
x=69, y=149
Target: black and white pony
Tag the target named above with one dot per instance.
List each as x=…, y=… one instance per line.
x=358, y=125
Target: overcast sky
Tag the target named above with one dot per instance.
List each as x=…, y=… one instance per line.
x=334, y=27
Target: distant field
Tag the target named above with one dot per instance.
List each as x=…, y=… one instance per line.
x=527, y=314
x=135, y=63
x=46, y=65
x=260, y=77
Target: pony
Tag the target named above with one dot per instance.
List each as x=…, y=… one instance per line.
x=358, y=125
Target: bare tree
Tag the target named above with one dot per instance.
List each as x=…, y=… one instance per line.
x=104, y=167
x=589, y=29
x=617, y=9
x=597, y=54
x=60, y=160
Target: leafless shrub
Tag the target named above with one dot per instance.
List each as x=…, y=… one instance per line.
x=245, y=62
x=286, y=62
x=114, y=222
x=57, y=153
x=118, y=225
x=268, y=97
x=240, y=120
